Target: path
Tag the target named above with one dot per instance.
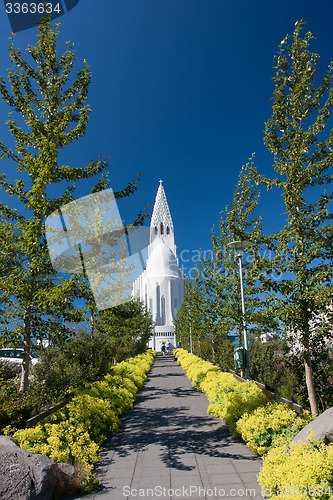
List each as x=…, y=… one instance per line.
x=169, y=448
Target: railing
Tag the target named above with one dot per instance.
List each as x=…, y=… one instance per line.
x=37, y=418
x=279, y=399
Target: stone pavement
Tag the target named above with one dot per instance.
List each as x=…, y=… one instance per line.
x=169, y=447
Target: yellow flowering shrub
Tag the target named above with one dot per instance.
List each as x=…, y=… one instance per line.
x=142, y=360
x=120, y=398
x=180, y=353
x=216, y=382
x=264, y=427
x=96, y=415
x=74, y=433
x=186, y=360
x=117, y=381
x=229, y=398
x=242, y=398
x=195, y=368
x=71, y=443
x=198, y=372
x=63, y=442
x=298, y=471
x=33, y=439
x=130, y=370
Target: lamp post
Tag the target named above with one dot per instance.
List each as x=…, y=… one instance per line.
x=238, y=246
x=189, y=315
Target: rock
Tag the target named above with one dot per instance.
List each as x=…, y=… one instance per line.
x=28, y=476
x=67, y=469
x=322, y=426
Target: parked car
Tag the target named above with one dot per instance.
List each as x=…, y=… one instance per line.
x=15, y=355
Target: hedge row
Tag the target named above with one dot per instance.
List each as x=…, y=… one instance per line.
x=74, y=433
x=299, y=471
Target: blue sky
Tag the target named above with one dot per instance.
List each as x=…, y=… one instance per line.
x=181, y=90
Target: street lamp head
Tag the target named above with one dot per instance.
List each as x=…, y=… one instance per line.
x=238, y=246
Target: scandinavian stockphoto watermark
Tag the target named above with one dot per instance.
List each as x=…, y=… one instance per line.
x=190, y=263
x=87, y=236
x=220, y=492
x=23, y=14
x=190, y=491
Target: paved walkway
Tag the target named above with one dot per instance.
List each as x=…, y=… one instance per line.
x=169, y=447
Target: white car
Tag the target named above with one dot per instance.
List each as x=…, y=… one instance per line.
x=15, y=355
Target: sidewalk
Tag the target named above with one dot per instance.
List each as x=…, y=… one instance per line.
x=169, y=447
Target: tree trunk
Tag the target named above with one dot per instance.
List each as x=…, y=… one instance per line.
x=306, y=308
x=213, y=350
x=26, y=354
x=310, y=385
x=92, y=321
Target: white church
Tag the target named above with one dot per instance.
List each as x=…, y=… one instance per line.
x=161, y=286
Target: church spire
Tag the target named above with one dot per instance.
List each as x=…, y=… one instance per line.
x=161, y=226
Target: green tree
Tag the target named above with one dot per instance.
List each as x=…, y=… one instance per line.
x=128, y=326
x=303, y=157
x=83, y=359
x=48, y=112
x=322, y=376
x=239, y=223
x=214, y=298
x=270, y=366
x=190, y=322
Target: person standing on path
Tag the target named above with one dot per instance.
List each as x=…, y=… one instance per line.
x=163, y=348
x=167, y=346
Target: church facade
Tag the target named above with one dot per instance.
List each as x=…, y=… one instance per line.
x=161, y=286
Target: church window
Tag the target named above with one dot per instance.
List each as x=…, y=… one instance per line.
x=158, y=305
x=156, y=230
x=167, y=230
x=161, y=227
x=163, y=310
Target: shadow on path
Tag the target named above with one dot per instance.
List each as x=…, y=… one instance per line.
x=168, y=438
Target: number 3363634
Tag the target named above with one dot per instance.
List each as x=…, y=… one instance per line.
x=32, y=8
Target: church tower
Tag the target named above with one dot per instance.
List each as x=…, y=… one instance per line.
x=161, y=286
x=161, y=226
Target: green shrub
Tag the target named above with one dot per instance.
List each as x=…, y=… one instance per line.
x=55, y=374
x=81, y=360
x=269, y=368
x=93, y=353
x=8, y=371
x=15, y=407
x=224, y=353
